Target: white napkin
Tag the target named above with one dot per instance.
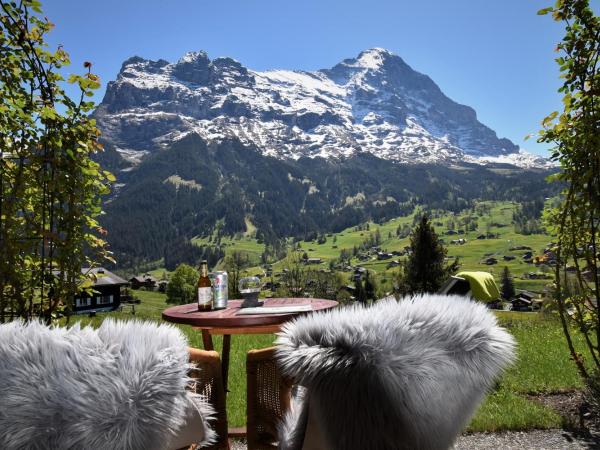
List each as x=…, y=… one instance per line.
x=275, y=309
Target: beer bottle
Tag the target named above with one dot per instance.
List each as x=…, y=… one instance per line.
x=204, y=289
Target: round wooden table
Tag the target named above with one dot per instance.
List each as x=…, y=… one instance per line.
x=227, y=321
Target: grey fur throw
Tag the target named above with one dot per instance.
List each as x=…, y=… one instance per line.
x=121, y=386
x=396, y=375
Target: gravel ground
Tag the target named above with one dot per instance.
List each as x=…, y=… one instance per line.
x=530, y=440
x=536, y=439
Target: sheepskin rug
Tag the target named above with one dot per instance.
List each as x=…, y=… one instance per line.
x=121, y=386
x=396, y=375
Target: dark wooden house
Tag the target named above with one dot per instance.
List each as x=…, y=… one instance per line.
x=143, y=281
x=523, y=302
x=106, y=295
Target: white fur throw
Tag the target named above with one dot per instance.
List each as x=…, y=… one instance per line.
x=396, y=375
x=121, y=386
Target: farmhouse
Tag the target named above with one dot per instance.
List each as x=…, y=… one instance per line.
x=490, y=261
x=106, y=295
x=313, y=261
x=143, y=281
x=162, y=285
x=523, y=302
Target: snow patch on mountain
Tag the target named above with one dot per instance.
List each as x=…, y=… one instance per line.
x=372, y=103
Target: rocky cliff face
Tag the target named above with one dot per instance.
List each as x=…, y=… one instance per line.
x=373, y=103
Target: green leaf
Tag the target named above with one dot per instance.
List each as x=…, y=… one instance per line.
x=544, y=11
x=48, y=113
x=109, y=176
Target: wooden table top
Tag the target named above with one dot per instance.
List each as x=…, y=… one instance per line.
x=227, y=318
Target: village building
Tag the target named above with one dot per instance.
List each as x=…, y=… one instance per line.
x=162, y=285
x=143, y=281
x=105, y=295
x=523, y=301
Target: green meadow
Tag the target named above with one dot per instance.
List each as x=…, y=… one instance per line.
x=543, y=367
x=497, y=219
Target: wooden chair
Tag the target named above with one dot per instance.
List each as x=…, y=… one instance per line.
x=268, y=398
x=376, y=378
x=209, y=383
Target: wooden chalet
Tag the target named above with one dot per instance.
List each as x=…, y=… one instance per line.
x=523, y=302
x=143, y=281
x=162, y=285
x=106, y=295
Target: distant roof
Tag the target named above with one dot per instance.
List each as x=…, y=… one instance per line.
x=143, y=278
x=103, y=277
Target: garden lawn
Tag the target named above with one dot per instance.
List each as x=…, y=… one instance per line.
x=543, y=366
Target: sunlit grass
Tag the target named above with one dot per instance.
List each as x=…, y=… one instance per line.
x=471, y=254
x=504, y=410
x=543, y=366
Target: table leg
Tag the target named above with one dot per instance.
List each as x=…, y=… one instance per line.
x=225, y=359
x=207, y=340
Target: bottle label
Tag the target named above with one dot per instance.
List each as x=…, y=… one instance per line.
x=204, y=295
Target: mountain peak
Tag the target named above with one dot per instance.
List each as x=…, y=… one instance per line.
x=192, y=57
x=374, y=103
x=373, y=58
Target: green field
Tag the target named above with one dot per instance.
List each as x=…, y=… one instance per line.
x=543, y=366
x=497, y=221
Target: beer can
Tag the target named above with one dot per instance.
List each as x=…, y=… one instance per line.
x=219, y=286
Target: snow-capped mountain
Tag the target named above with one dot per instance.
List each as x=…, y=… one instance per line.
x=374, y=103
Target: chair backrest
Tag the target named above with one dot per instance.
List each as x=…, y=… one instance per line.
x=122, y=385
x=208, y=382
x=268, y=398
x=403, y=375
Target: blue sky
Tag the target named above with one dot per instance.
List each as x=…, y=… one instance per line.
x=496, y=56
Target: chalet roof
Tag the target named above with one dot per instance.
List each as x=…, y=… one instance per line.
x=143, y=279
x=526, y=295
x=103, y=277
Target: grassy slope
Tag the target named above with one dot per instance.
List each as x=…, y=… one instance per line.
x=471, y=254
x=543, y=366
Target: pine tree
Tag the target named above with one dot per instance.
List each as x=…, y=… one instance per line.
x=370, y=293
x=424, y=270
x=507, y=287
x=360, y=295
